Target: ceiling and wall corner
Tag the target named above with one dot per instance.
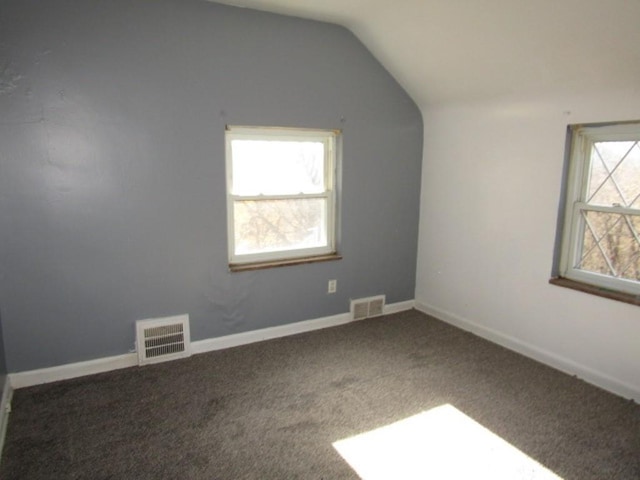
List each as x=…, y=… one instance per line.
x=444, y=51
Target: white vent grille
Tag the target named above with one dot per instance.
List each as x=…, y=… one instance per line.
x=162, y=339
x=362, y=308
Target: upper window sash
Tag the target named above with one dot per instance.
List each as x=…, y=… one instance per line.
x=258, y=134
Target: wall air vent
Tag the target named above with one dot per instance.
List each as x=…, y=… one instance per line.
x=163, y=339
x=362, y=308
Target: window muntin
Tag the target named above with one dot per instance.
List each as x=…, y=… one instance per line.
x=601, y=242
x=280, y=193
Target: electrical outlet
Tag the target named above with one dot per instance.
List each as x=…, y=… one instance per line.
x=332, y=286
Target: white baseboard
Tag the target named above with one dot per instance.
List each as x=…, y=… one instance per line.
x=5, y=409
x=559, y=362
x=244, y=338
x=399, y=307
x=72, y=370
x=99, y=365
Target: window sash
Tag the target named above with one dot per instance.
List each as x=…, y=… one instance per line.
x=325, y=194
x=579, y=231
x=328, y=138
x=577, y=188
x=278, y=235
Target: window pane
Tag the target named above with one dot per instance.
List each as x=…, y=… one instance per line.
x=614, y=174
x=277, y=167
x=274, y=225
x=611, y=245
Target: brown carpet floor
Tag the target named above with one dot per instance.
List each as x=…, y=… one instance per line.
x=272, y=410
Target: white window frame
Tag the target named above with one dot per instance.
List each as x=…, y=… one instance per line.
x=582, y=139
x=330, y=139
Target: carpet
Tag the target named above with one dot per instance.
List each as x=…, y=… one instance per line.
x=301, y=407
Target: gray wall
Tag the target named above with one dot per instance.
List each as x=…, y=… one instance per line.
x=112, y=172
x=3, y=361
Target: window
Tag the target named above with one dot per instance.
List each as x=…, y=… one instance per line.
x=601, y=233
x=281, y=196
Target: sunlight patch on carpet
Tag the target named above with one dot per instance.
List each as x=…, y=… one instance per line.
x=441, y=443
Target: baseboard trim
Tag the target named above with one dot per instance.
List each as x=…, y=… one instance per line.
x=5, y=409
x=558, y=362
x=73, y=370
x=399, y=307
x=244, y=338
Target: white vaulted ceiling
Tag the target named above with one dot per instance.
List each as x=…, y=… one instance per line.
x=463, y=50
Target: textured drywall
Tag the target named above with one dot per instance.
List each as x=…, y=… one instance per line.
x=112, y=178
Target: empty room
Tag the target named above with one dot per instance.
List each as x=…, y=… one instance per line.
x=290, y=239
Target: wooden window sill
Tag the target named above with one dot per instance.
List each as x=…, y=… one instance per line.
x=593, y=290
x=244, y=267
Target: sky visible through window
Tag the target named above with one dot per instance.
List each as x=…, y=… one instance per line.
x=267, y=167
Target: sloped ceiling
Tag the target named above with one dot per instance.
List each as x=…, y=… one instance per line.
x=445, y=51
